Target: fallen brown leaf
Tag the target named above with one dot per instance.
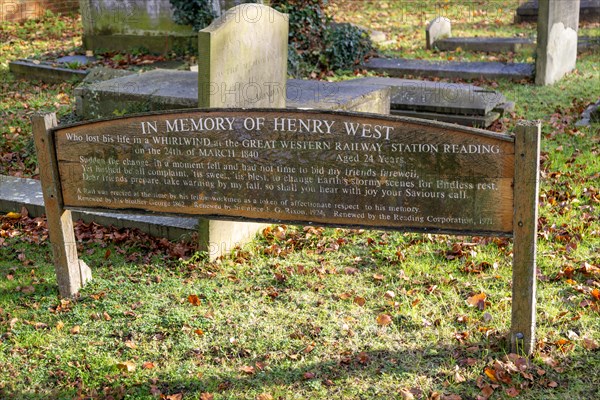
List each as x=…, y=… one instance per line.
x=384, y=319
x=487, y=391
x=590, y=344
x=359, y=301
x=363, y=357
x=406, y=395
x=130, y=344
x=477, y=300
x=194, y=299
x=491, y=374
x=128, y=366
x=309, y=375
x=451, y=397
x=178, y=396
x=247, y=369
x=28, y=289
x=345, y=296
x=148, y=365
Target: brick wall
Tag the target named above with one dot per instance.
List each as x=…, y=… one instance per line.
x=20, y=10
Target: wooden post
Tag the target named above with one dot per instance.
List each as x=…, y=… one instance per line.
x=71, y=273
x=526, y=188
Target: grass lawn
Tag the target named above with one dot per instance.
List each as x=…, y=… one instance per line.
x=310, y=313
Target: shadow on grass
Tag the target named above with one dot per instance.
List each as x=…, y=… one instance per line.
x=367, y=369
x=331, y=375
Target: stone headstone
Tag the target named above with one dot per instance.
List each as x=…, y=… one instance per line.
x=437, y=29
x=243, y=59
x=127, y=24
x=242, y=64
x=556, y=40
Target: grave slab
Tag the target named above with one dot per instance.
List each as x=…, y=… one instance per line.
x=585, y=43
x=589, y=11
x=79, y=59
x=16, y=193
x=503, y=45
x=166, y=90
x=437, y=97
x=349, y=95
x=486, y=44
x=590, y=115
x=475, y=121
x=399, y=67
x=151, y=91
x=100, y=74
x=44, y=71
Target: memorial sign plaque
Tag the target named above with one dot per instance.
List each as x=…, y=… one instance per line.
x=306, y=167
x=326, y=168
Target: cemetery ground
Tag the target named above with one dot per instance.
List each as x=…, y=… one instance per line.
x=307, y=312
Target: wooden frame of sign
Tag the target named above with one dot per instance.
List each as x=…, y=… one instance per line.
x=304, y=167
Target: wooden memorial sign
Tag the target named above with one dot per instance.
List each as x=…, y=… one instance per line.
x=306, y=167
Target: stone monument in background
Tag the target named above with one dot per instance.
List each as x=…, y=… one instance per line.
x=556, y=40
x=118, y=25
x=220, y=6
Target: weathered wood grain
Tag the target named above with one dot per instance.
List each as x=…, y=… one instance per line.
x=255, y=167
x=527, y=149
x=71, y=273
